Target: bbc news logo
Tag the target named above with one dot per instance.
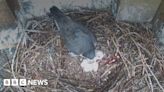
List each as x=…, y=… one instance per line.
x=24, y=82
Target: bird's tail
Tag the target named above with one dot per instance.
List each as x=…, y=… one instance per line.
x=55, y=12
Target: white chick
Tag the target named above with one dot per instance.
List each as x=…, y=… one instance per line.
x=90, y=65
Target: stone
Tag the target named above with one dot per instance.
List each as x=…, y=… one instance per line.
x=7, y=18
x=41, y=7
x=138, y=11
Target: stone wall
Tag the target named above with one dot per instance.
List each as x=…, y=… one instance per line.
x=40, y=7
x=7, y=18
x=137, y=10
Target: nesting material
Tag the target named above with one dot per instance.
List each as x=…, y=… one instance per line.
x=139, y=68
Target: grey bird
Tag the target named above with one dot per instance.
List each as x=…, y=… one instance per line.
x=77, y=38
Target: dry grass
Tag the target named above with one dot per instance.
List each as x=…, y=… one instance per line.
x=139, y=69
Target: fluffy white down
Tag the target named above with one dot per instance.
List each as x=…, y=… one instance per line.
x=90, y=65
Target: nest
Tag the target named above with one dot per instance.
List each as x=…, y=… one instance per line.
x=139, y=69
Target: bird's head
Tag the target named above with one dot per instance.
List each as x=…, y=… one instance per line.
x=89, y=54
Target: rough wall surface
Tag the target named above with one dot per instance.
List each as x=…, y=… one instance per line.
x=137, y=10
x=9, y=38
x=40, y=7
x=6, y=16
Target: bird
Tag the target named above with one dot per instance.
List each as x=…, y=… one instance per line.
x=76, y=37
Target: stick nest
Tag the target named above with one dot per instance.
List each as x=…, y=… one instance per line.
x=139, y=69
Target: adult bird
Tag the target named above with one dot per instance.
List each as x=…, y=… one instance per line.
x=77, y=38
